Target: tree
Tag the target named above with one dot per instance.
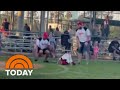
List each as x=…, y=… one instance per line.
x=42, y=22
x=31, y=19
x=20, y=20
x=47, y=21
x=12, y=20
x=28, y=17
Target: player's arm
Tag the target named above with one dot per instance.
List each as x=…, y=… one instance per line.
x=88, y=35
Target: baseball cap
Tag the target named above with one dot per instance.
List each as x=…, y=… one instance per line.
x=45, y=35
x=80, y=23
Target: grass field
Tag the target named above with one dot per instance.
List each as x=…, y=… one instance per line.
x=94, y=70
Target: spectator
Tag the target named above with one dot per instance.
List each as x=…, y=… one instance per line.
x=114, y=48
x=6, y=25
x=27, y=29
x=102, y=30
x=96, y=49
x=72, y=39
x=52, y=44
x=50, y=29
x=65, y=40
x=106, y=27
x=96, y=34
x=71, y=32
x=57, y=32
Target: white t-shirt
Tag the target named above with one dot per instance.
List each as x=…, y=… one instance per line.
x=42, y=44
x=82, y=34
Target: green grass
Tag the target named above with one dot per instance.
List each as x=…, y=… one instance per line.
x=94, y=70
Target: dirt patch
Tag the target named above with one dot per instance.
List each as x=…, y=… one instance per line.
x=37, y=66
x=2, y=65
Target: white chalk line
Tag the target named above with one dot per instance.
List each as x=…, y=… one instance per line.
x=65, y=69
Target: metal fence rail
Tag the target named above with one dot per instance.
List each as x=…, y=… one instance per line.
x=14, y=43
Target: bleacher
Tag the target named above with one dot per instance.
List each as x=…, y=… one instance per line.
x=18, y=43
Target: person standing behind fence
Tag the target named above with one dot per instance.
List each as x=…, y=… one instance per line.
x=106, y=27
x=52, y=44
x=57, y=34
x=96, y=50
x=72, y=39
x=102, y=30
x=6, y=25
x=50, y=29
x=71, y=32
x=27, y=29
x=96, y=34
x=65, y=40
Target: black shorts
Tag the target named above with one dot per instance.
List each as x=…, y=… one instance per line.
x=68, y=46
x=43, y=50
x=81, y=49
x=96, y=39
x=84, y=48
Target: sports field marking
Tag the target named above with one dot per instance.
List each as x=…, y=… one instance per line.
x=65, y=69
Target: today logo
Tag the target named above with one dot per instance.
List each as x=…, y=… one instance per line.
x=19, y=65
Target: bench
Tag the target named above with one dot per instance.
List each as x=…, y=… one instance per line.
x=18, y=45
